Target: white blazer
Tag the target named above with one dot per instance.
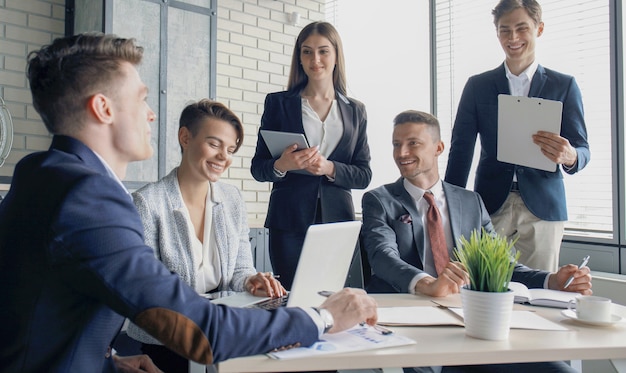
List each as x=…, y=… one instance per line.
x=160, y=205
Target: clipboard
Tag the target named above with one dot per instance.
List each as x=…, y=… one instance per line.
x=277, y=141
x=518, y=119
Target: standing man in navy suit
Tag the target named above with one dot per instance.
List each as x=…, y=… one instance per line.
x=524, y=203
x=73, y=262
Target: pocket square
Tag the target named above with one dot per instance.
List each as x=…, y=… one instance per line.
x=406, y=219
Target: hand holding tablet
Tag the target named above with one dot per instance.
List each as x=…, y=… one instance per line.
x=277, y=141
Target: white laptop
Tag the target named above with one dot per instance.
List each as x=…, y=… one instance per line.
x=323, y=266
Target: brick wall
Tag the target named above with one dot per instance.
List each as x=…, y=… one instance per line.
x=24, y=26
x=254, y=46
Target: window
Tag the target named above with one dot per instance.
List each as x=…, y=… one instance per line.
x=179, y=40
x=387, y=67
x=576, y=41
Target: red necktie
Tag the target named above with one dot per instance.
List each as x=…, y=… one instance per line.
x=435, y=234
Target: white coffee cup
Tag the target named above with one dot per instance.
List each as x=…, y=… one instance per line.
x=592, y=308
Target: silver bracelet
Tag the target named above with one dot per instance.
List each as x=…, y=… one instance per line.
x=279, y=173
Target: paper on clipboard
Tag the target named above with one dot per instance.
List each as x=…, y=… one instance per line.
x=518, y=119
x=277, y=141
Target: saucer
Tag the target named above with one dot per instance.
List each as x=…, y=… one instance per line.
x=572, y=315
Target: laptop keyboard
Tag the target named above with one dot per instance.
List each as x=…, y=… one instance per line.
x=272, y=304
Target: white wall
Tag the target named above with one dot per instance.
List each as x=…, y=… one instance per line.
x=388, y=69
x=255, y=43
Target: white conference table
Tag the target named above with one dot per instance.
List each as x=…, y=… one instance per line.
x=448, y=345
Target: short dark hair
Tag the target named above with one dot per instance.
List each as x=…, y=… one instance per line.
x=415, y=116
x=196, y=112
x=532, y=7
x=64, y=74
x=297, y=77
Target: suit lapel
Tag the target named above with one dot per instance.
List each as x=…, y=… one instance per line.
x=219, y=230
x=539, y=80
x=502, y=83
x=182, y=233
x=347, y=117
x=293, y=113
x=455, y=211
x=405, y=199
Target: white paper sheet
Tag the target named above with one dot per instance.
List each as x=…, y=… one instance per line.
x=416, y=316
x=518, y=119
x=359, y=338
x=526, y=320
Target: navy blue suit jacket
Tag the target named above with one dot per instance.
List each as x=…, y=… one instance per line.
x=294, y=198
x=73, y=265
x=542, y=191
x=395, y=245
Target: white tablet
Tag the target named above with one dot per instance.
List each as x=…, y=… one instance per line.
x=277, y=141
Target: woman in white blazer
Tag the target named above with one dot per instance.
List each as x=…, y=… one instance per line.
x=196, y=224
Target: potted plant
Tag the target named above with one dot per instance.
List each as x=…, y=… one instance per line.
x=487, y=301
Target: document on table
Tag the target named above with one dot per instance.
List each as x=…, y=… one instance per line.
x=518, y=119
x=432, y=316
x=525, y=320
x=359, y=338
x=417, y=316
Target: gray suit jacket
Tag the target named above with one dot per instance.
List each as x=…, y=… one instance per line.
x=394, y=236
x=166, y=230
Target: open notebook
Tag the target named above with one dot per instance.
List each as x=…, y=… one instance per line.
x=541, y=297
x=323, y=266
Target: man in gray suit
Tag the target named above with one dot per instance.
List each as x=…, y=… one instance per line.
x=395, y=232
x=394, y=221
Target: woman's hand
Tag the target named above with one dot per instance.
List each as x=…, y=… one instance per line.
x=265, y=284
x=296, y=159
x=319, y=166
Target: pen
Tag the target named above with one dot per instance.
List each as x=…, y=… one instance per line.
x=383, y=331
x=571, y=278
x=378, y=328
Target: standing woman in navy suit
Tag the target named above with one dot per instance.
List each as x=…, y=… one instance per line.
x=316, y=105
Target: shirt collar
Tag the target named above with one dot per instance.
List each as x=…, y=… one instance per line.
x=111, y=173
x=529, y=72
x=417, y=193
x=214, y=196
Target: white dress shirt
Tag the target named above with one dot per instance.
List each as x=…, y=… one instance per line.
x=519, y=85
x=422, y=208
x=205, y=253
x=326, y=133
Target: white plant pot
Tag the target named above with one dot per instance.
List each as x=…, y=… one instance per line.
x=487, y=315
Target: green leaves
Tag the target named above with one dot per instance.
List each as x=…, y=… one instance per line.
x=488, y=259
